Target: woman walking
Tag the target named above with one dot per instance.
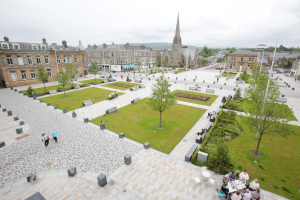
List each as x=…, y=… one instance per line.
x=54, y=135
x=45, y=139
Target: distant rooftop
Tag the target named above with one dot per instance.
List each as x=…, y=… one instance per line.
x=244, y=52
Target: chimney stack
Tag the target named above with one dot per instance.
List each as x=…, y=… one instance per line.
x=95, y=46
x=6, y=39
x=44, y=41
x=64, y=42
x=89, y=45
x=104, y=45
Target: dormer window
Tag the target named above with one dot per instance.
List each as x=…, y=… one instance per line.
x=16, y=46
x=43, y=47
x=34, y=47
x=5, y=46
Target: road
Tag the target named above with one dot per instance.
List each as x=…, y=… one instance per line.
x=218, y=65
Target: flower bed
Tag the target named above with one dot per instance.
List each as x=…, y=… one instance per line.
x=192, y=96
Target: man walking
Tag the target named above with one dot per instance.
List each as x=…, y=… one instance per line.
x=195, y=77
x=54, y=135
x=217, y=80
x=45, y=139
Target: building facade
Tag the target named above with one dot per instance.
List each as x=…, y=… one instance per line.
x=121, y=57
x=19, y=60
x=241, y=60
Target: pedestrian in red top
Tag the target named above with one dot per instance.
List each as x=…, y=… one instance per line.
x=122, y=77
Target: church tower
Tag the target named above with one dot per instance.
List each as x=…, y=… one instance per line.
x=176, y=50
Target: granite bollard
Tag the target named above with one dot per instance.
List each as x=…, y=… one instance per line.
x=72, y=171
x=102, y=181
x=127, y=159
x=21, y=123
x=2, y=144
x=121, y=135
x=74, y=114
x=16, y=118
x=146, y=145
x=19, y=130
x=9, y=113
x=86, y=120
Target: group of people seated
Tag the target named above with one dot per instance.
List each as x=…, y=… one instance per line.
x=224, y=99
x=200, y=133
x=252, y=189
x=213, y=114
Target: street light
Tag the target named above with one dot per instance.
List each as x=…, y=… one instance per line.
x=187, y=57
x=261, y=46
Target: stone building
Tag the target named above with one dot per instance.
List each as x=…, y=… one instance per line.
x=121, y=57
x=18, y=60
x=241, y=60
x=178, y=55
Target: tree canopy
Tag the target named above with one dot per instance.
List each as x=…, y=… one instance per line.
x=63, y=78
x=94, y=69
x=42, y=75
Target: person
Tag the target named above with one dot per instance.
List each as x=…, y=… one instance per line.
x=116, y=93
x=247, y=195
x=244, y=176
x=45, y=139
x=255, y=194
x=236, y=196
x=295, y=78
x=122, y=77
x=202, y=131
x=198, y=133
x=195, y=77
x=224, y=99
x=54, y=135
x=224, y=189
x=226, y=178
x=254, y=185
x=109, y=97
x=217, y=80
x=232, y=176
x=208, y=115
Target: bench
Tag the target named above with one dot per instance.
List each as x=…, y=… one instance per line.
x=210, y=90
x=135, y=100
x=105, y=81
x=282, y=100
x=217, y=76
x=87, y=102
x=52, y=91
x=111, y=110
x=111, y=80
x=218, y=111
x=137, y=80
x=231, y=77
x=208, y=126
x=200, y=138
x=212, y=118
x=134, y=88
x=229, y=96
x=194, y=88
x=142, y=86
x=188, y=156
x=238, y=82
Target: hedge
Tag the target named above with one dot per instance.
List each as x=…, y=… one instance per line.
x=226, y=102
x=227, y=120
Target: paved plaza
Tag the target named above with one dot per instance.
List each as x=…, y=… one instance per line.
x=152, y=174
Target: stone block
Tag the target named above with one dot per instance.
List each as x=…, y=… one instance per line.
x=41, y=101
x=86, y=120
x=220, y=88
x=55, y=107
x=24, y=94
x=74, y=114
x=121, y=135
x=127, y=159
x=20, y=92
x=202, y=156
x=16, y=118
x=19, y=130
x=65, y=111
x=9, y=113
x=72, y=171
x=11, y=88
x=214, y=82
x=3, y=109
x=31, y=177
x=203, y=81
x=48, y=104
x=293, y=88
x=102, y=126
x=16, y=90
x=2, y=144
x=234, y=89
x=21, y=123
x=102, y=181
x=146, y=145
x=283, y=95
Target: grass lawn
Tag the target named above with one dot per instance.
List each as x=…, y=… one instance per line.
x=230, y=74
x=120, y=85
x=92, y=81
x=138, y=122
x=245, y=104
x=180, y=71
x=278, y=169
x=73, y=100
x=205, y=103
x=42, y=89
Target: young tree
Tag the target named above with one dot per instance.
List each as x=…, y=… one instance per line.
x=266, y=115
x=161, y=98
x=157, y=63
x=63, y=78
x=138, y=63
x=204, y=61
x=94, y=69
x=42, y=75
x=71, y=69
x=147, y=62
x=164, y=63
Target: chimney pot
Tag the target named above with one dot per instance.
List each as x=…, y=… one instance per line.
x=44, y=40
x=6, y=39
x=64, y=42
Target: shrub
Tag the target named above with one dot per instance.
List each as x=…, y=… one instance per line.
x=47, y=92
x=110, y=76
x=237, y=94
x=29, y=91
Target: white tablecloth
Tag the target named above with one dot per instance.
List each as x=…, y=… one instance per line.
x=233, y=186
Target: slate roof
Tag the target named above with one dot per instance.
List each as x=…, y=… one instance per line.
x=114, y=47
x=244, y=52
x=23, y=46
x=63, y=48
x=189, y=52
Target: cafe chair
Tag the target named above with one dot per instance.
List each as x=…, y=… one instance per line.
x=197, y=180
x=220, y=194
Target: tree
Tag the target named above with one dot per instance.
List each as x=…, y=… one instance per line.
x=42, y=75
x=266, y=116
x=138, y=63
x=164, y=63
x=72, y=70
x=204, y=61
x=232, y=50
x=161, y=98
x=29, y=91
x=157, y=63
x=147, y=62
x=63, y=78
x=94, y=69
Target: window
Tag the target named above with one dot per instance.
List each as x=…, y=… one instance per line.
x=232, y=66
x=49, y=72
x=9, y=60
x=70, y=59
x=16, y=46
x=5, y=46
x=75, y=59
x=242, y=59
x=43, y=47
x=65, y=59
x=109, y=54
x=126, y=54
x=112, y=54
x=38, y=59
x=116, y=54
x=57, y=59
x=23, y=73
x=13, y=76
x=77, y=70
x=20, y=60
x=93, y=55
x=232, y=58
x=32, y=73
x=34, y=47
x=250, y=66
x=117, y=60
x=46, y=60
x=83, y=58
x=131, y=53
x=122, y=53
x=29, y=60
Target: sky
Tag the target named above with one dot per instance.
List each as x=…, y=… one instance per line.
x=218, y=23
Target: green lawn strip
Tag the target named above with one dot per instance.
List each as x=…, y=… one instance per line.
x=245, y=104
x=42, y=89
x=180, y=71
x=205, y=103
x=73, y=100
x=230, y=74
x=92, y=81
x=278, y=169
x=164, y=140
x=125, y=84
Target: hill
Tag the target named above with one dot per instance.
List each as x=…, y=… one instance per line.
x=158, y=45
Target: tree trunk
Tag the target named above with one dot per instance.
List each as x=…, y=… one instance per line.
x=160, y=120
x=256, y=151
x=95, y=77
x=64, y=91
x=44, y=86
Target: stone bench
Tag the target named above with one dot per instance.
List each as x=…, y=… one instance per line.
x=231, y=77
x=135, y=100
x=142, y=86
x=52, y=91
x=282, y=100
x=208, y=126
x=210, y=90
x=87, y=103
x=200, y=138
x=137, y=80
x=111, y=80
x=134, y=88
x=218, y=111
x=194, y=88
x=238, y=82
x=111, y=110
x=105, y=81
x=188, y=156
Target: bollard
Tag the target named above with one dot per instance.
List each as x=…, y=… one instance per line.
x=293, y=88
x=41, y=101
x=121, y=135
x=194, y=80
x=55, y=107
x=19, y=130
x=21, y=122
x=224, y=83
x=72, y=171
x=208, y=86
x=34, y=97
x=289, y=86
x=31, y=177
x=237, y=86
x=146, y=145
x=214, y=82
x=102, y=126
x=9, y=113
x=2, y=144
x=24, y=94
x=86, y=120
x=203, y=81
x=283, y=95
x=234, y=89
x=48, y=104
x=16, y=90
x=102, y=180
x=11, y=88
x=74, y=114
x=3, y=109
x=16, y=118
x=176, y=78
x=127, y=159
x=220, y=88
x=65, y=111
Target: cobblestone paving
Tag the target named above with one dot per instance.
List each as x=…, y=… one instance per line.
x=79, y=144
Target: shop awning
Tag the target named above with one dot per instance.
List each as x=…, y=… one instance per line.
x=125, y=66
x=132, y=65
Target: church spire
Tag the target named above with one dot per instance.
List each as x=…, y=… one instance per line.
x=177, y=34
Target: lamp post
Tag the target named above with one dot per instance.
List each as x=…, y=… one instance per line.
x=162, y=63
x=56, y=61
x=187, y=57
x=262, y=46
